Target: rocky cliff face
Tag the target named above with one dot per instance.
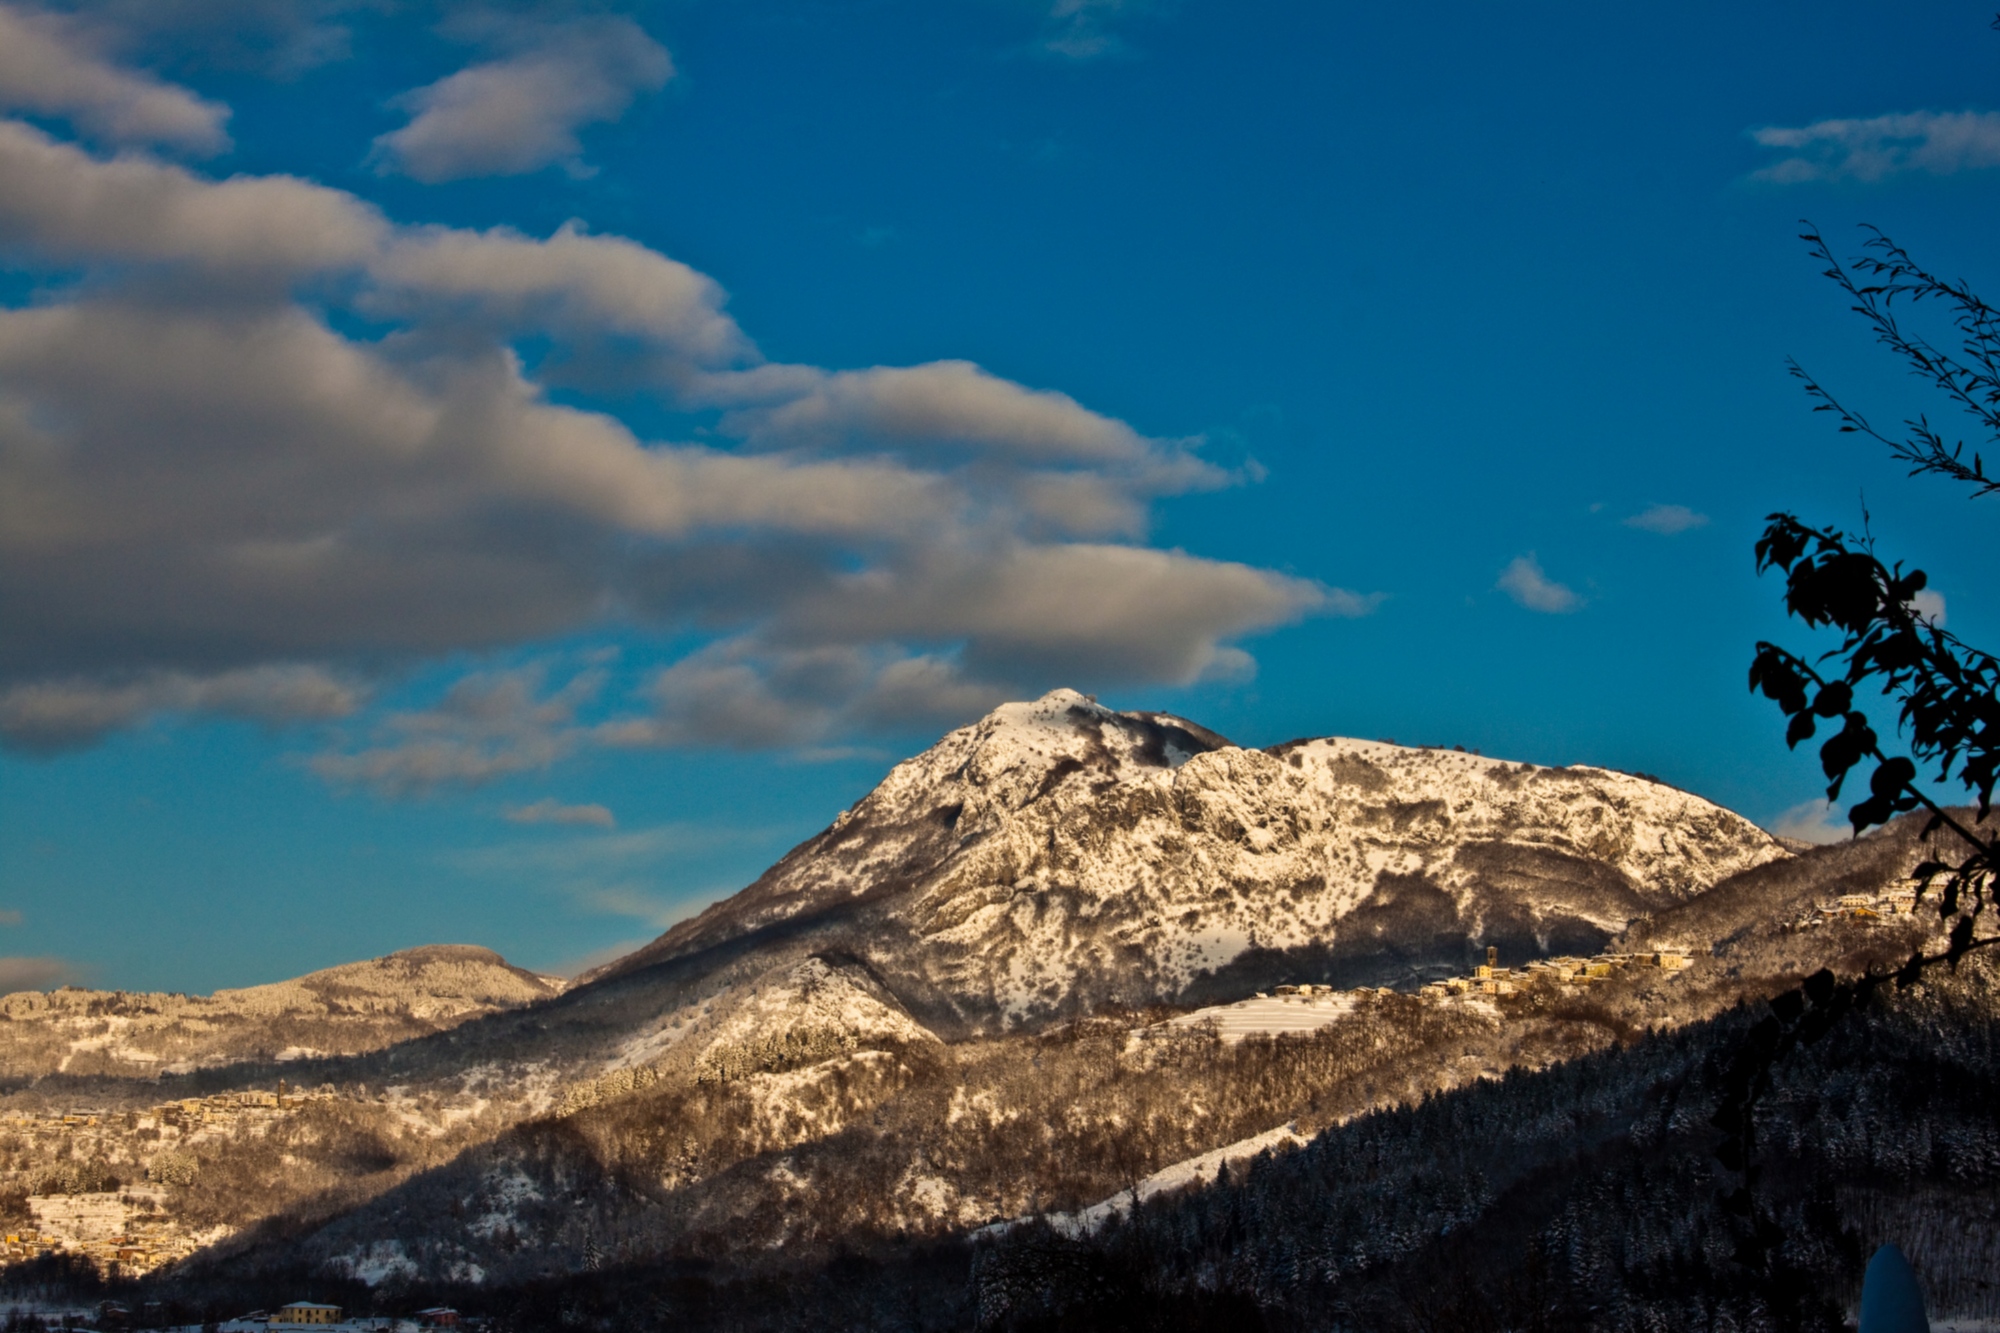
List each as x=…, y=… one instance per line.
x=1057, y=855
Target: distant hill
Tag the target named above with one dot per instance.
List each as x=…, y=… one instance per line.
x=343, y=1010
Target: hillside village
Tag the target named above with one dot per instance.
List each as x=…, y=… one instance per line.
x=98, y=1183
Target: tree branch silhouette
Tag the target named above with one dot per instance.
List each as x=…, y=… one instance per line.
x=1946, y=692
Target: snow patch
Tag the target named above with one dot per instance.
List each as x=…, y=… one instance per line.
x=376, y=1264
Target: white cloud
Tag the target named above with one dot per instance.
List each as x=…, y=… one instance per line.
x=1937, y=143
x=48, y=68
x=1096, y=611
x=1527, y=584
x=551, y=811
x=940, y=404
x=1929, y=604
x=1666, y=519
x=576, y=284
x=519, y=114
x=1816, y=822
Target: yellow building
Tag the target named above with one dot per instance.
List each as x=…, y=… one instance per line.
x=305, y=1312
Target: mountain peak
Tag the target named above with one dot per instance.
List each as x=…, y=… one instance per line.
x=1063, y=730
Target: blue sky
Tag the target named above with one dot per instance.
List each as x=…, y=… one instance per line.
x=503, y=472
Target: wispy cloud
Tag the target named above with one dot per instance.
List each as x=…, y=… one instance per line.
x=595, y=856
x=1816, y=822
x=1937, y=143
x=489, y=725
x=51, y=715
x=636, y=901
x=1525, y=582
x=571, y=968
x=48, y=67
x=637, y=875
x=277, y=38
x=1666, y=519
x=521, y=113
x=1086, y=29
x=551, y=811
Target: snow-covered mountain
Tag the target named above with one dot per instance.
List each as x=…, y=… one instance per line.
x=870, y=1042
x=1057, y=855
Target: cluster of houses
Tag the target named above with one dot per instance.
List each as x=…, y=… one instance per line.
x=185, y=1115
x=314, y=1317
x=1859, y=907
x=297, y=1317
x=122, y=1232
x=191, y=1113
x=1492, y=979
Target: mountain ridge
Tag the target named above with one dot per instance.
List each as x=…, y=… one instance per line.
x=1115, y=855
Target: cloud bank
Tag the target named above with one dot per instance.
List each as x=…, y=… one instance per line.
x=213, y=499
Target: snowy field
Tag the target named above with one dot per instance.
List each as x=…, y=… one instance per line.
x=1269, y=1015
